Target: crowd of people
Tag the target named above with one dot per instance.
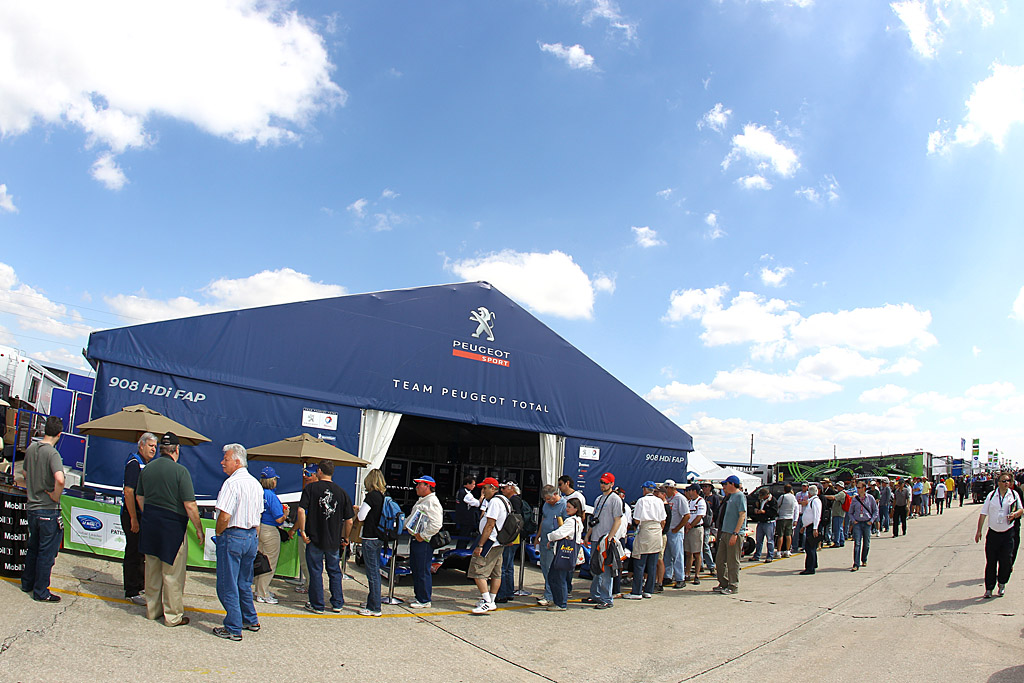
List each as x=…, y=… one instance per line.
x=679, y=532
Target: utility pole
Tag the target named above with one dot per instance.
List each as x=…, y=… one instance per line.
x=751, y=449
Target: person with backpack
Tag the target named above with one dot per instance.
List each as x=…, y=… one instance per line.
x=603, y=523
x=840, y=504
x=863, y=514
x=510, y=491
x=485, y=564
x=369, y=515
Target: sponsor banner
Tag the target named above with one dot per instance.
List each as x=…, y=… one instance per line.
x=92, y=527
x=590, y=453
x=319, y=419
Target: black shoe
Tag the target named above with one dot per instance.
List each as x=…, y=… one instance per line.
x=603, y=605
x=184, y=622
x=807, y=572
x=502, y=600
x=49, y=598
x=591, y=601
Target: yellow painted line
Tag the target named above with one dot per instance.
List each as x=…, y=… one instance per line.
x=308, y=615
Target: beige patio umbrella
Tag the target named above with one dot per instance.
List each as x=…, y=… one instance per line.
x=4, y=404
x=131, y=422
x=304, y=448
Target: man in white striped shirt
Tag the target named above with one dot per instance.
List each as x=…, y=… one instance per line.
x=239, y=506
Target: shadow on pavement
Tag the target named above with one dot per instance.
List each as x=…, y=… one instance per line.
x=956, y=605
x=966, y=582
x=1012, y=675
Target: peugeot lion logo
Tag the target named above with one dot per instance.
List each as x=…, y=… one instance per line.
x=89, y=523
x=485, y=322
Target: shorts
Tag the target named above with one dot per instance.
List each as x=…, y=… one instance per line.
x=486, y=566
x=784, y=527
x=693, y=542
x=664, y=542
x=916, y=500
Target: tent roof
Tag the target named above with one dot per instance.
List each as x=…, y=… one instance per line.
x=416, y=351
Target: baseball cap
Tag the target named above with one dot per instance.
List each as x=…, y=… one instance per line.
x=310, y=470
x=509, y=482
x=169, y=439
x=649, y=485
x=425, y=480
x=732, y=479
x=489, y=481
x=268, y=472
x=669, y=483
x=693, y=487
x=607, y=478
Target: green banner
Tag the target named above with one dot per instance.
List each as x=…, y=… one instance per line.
x=93, y=527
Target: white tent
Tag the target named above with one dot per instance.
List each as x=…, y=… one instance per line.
x=699, y=466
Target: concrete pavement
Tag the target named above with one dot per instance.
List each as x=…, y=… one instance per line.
x=915, y=612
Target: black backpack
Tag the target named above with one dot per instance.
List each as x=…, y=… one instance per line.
x=513, y=525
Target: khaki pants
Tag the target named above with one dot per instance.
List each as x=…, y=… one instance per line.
x=727, y=561
x=165, y=587
x=270, y=545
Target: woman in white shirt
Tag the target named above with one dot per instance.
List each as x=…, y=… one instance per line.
x=571, y=528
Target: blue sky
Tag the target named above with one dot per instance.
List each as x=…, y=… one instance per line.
x=797, y=219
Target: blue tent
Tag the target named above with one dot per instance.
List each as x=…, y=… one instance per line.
x=462, y=352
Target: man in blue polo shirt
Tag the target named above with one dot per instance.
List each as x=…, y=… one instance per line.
x=134, y=563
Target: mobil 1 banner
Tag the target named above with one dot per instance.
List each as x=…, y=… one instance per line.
x=586, y=460
x=225, y=414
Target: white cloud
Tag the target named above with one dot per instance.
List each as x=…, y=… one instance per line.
x=715, y=230
x=808, y=193
x=694, y=303
x=646, y=237
x=35, y=311
x=827, y=189
x=61, y=357
x=358, y=208
x=575, y=57
x=684, y=393
x=759, y=145
x=904, y=366
x=265, y=288
x=976, y=351
x=866, y=329
x=772, y=387
x=838, y=364
x=387, y=220
x=754, y=182
x=748, y=318
x=388, y=193
x=991, y=390
x=6, y=200
x=941, y=403
x=245, y=70
x=664, y=194
x=106, y=171
x=775, y=277
x=604, y=283
x=995, y=105
x=716, y=118
x=549, y=283
x=924, y=37
x=1018, y=306
x=890, y=393
x=608, y=10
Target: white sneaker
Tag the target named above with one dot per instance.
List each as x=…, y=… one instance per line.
x=418, y=605
x=1002, y=589
x=630, y=596
x=787, y=554
x=542, y=602
x=648, y=596
x=482, y=607
x=270, y=599
x=368, y=613
x=138, y=600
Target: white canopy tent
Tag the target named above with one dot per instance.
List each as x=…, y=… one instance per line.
x=701, y=467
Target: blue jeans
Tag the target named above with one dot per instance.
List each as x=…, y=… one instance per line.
x=839, y=531
x=546, y=556
x=883, y=517
x=371, y=560
x=508, y=572
x=558, y=581
x=765, y=530
x=601, y=587
x=645, y=568
x=236, y=550
x=316, y=561
x=861, y=542
x=420, y=557
x=709, y=559
x=674, y=557
x=44, y=537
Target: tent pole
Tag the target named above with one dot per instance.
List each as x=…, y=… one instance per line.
x=391, y=599
x=522, y=567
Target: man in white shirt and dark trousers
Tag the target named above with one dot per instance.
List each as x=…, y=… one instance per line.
x=239, y=506
x=810, y=518
x=1001, y=507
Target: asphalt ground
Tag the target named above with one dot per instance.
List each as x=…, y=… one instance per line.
x=914, y=613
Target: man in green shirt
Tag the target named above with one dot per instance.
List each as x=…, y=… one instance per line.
x=168, y=502
x=730, y=537
x=44, y=482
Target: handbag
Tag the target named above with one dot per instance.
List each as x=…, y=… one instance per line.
x=566, y=553
x=261, y=564
x=285, y=537
x=440, y=539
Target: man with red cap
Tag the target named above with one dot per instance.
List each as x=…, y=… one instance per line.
x=485, y=564
x=603, y=523
x=420, y=552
